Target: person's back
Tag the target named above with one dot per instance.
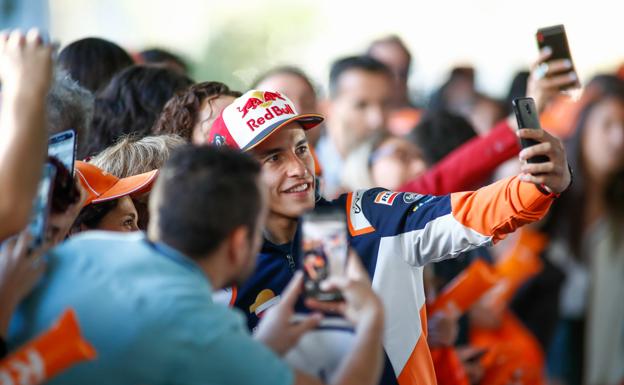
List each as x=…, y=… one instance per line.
x=137, y=302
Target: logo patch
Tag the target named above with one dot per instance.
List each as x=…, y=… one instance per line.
x=386, y=198
x=264, y=300
x=410, y=198
x=218, y=140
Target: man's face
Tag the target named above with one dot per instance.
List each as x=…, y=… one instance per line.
x=256, y=238
x=360, y=106
x=393, y=56
x=287, y=171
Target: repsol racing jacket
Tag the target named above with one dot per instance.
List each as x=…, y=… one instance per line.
x=396, y=234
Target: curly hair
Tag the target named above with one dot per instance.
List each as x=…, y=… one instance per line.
x=131, y=103
x=179, y=115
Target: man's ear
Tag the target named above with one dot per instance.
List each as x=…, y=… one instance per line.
x=239, y=246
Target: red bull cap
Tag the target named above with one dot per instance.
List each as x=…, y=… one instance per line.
x=253, y=117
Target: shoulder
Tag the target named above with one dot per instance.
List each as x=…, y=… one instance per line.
x=101, y=241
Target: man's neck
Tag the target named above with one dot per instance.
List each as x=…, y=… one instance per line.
x=207, y=265
x=280, y=229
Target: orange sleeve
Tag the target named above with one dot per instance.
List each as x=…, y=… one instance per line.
x=500, y=208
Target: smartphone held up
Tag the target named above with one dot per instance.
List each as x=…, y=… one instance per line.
x=324, y=250
x=528, y=117
x=555, y=38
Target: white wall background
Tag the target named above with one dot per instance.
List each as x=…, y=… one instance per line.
x=496, y=36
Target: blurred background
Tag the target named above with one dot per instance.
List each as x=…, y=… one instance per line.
x=235, y=40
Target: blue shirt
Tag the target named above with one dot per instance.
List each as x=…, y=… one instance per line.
x=149, y=313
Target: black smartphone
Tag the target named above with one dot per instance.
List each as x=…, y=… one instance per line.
x=63, y=147
x=324, y=250
x=41, y=207
x=556, y=39
x=527, y=117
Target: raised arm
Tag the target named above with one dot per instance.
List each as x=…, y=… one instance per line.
x=25, y=71
x=475, y=160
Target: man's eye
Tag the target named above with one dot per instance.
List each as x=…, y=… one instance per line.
x=273, y=158
x=302, y=150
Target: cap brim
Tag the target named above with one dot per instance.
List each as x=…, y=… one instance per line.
x=135, y=184
x=307, y=122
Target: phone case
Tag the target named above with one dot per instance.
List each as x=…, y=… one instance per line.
x=555, y=37
x=527, y=117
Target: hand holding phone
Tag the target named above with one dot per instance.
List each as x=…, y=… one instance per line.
x=528, y=117
x=556, y=40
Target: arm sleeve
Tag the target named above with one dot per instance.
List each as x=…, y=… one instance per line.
x=469, y=165
x=424, y=229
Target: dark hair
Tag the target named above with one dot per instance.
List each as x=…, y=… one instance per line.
x=204, y=193
x=131, y=103
x=91, y=215
x=65, y=192
x=284, y=70
x=391, y=39
x=440, y=99
x=161, y=56
x=363, y=63
x=439, y=133
x=517, y=89
x=92, y=62
x=179, y=115
x=564, y=220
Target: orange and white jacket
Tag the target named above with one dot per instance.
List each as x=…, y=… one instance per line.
x=395, y=234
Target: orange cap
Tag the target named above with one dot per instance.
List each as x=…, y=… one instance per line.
x=102, y=186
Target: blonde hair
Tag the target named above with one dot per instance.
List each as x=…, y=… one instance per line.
x=130, y=156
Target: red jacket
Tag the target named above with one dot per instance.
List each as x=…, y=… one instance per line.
x=469, y=165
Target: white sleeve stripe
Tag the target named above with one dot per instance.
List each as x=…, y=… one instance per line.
x=441, y=238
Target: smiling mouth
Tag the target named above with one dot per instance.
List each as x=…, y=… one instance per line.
x=303, y=187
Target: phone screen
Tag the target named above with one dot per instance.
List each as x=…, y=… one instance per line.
x=63, y=147
x=41, y=206
x=324, y=250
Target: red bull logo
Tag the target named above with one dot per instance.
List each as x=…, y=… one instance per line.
x=270, y=114
x=259, y=99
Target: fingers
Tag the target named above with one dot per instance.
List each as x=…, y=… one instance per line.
x=538, y=168
x=292, y=291
x=538, y=149
x=544, y=54
x=355, y=269
x=307, y=324
x=532, y=133
x=325, y=307
x=556, y=81
x=33, y=36
x=16, y=39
